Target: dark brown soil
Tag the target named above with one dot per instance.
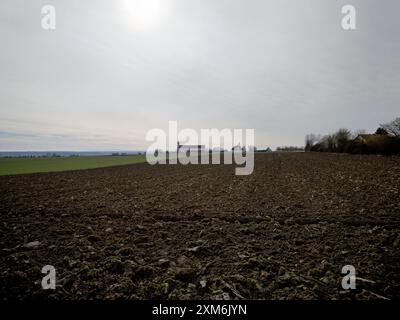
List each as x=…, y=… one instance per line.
x=200, y=232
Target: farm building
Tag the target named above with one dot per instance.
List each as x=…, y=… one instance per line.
x=268, y=149
x=191, y=148
x=366, y=138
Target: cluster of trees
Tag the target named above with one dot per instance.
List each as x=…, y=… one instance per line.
x=335, y=142
x=386, y=141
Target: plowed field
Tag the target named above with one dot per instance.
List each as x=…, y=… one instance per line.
x=200, y=232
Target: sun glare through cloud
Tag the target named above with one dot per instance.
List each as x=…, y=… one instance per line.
x=142, y=15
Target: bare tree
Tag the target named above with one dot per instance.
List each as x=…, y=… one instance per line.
x=311, y=140
x=392, y=127
x=331, y=142
x=342, y=137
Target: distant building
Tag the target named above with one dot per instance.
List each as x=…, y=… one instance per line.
x=237, y=148
x=375, y=144
x=268, y=149
x=367, y=138
x=189, y=147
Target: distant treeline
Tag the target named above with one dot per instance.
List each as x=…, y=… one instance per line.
x=59, y=154
x=385, y=141
x=290, y=148
x=52, y=155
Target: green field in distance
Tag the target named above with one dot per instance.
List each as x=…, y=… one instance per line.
x=53, y=164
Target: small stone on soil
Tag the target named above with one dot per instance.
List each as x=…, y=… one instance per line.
x=32, y=245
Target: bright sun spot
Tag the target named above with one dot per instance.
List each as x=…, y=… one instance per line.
x=142, y=14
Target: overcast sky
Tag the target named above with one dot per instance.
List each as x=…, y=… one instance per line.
x=111, y=70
